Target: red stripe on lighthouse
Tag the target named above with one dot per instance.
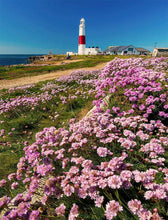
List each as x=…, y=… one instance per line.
x=82, y=40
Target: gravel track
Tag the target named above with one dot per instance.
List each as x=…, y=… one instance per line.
x=6, y=84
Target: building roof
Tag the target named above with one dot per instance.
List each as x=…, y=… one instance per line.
x=117, y=49
x=140, y=49
x=121, y=48
x=162, y=49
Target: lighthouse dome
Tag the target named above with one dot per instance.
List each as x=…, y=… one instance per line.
x=82, y=21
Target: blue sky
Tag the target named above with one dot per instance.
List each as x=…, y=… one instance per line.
x=37, y=26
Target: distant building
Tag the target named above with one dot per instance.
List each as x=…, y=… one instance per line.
x=143, y=51
x=71, y=53
x=121, y=50
x=160, y=52
x=92, y=51
x=126, y=50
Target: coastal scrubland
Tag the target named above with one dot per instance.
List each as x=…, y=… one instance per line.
x=112, y=164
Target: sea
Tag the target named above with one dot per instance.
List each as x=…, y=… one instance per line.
x=15, y=59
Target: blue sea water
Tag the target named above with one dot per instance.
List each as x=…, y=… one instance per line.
x=14, y=59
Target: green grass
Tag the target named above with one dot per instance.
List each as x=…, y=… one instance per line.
x=12, y=72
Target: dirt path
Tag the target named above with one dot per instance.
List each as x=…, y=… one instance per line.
x=6, y=84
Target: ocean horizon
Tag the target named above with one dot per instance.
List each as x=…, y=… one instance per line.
x=15, y=59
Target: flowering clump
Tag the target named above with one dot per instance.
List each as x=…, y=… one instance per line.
x=112, y=209
x=110, y=165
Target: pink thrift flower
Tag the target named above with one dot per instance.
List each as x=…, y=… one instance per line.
x=68, y=190
x=135, y=206
x=112, y=209
x=144, y=214
x=11, y=176
x=155, y=216
x=73, y=213
x=148, y=194
x=14, y=185
x=99, y=200
x=60, y=210
x=102, y=151
x=126, y=175
x=4, y=201
x=3, y=183
x=165, y=107
x=114, y=182
x=34, y=215
x=142, y=107
x=160, y=194
x=161, y=113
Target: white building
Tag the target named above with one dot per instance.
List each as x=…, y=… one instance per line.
x=71, y=53
x=92, y=51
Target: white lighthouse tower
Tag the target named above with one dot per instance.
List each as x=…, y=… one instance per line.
x=82, y=42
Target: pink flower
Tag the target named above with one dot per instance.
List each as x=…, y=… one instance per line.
x=4, y=201
x=11, y=176
x=112, y=209
x=3, y=183
x=34, y=215
x=144, y=214
x=68, y=190
x=160, y=194
x=165, y=106
x=60, y=210
x=155, y=216
x=73, y=212
x=161, y=113
x=114, y=182
x=135, y=206
x=87, y=164
x=14, y=185
x=102, y=151
x=99, y=200
x=148, y=194
x=126, y=175
x=128, y=144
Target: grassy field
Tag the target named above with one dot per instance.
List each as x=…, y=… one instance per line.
x=12, y=72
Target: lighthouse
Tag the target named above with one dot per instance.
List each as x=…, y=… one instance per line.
x=82, y=50
x=82, y=42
